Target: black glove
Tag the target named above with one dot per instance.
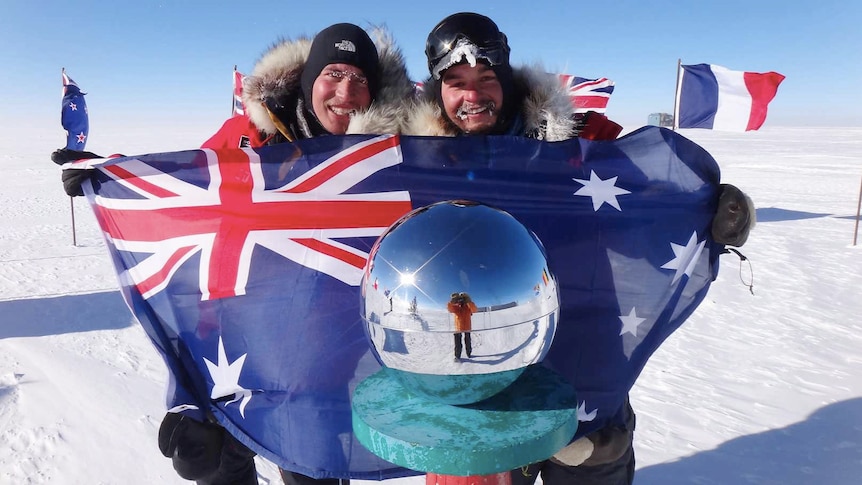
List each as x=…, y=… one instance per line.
x=194, y=447
x=64, y=155
x=205, y=451
x=734, y=218
x=72, y=179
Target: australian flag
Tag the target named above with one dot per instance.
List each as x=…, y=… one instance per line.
x=74, y=115
x=243, y=266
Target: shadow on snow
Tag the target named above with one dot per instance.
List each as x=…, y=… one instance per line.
x=774, y=214
x=825, y=448
x=64, y=314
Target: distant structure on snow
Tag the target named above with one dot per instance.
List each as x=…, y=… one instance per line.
x=660, y=119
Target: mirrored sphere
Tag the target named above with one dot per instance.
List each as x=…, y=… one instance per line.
x=457, y=300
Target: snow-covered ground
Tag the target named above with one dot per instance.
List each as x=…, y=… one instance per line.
x=754, y=388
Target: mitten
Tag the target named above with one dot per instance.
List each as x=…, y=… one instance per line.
x=64, y=155
x=72, y=179
x=575, y=453
x=597, y=448
x=734, y=218
x=194, y=447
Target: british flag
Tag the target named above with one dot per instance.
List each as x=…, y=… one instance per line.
x=588, y=94
x=243, y=266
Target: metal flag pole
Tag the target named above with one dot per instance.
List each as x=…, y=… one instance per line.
x=232, y=93
x=858, y=207
x=71, y=199
x=72, y=211
x=676, y=97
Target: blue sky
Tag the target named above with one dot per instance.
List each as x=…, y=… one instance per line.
x=172, y=61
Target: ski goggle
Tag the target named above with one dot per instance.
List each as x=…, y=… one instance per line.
x=464, y=50
x=478, y=30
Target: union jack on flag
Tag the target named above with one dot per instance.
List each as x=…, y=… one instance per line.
x=235, y=212
x=588, y=94
x=243, y=266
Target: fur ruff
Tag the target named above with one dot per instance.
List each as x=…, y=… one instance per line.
x=278, y=71
x=546, y=108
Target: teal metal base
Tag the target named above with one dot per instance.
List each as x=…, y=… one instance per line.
x=527, y=422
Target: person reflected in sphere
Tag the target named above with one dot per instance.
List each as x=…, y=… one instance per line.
x=462, y=306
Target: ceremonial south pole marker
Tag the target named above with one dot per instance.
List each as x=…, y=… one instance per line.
x=465, y=410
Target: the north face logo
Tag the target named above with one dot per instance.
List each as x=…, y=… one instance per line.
x=345, y=45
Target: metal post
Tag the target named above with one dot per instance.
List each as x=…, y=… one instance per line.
x=676, y=97
x=72, y=209
x=494, y=479
x=858, y=207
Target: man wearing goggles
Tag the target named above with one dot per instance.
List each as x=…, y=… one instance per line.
x=473, y=90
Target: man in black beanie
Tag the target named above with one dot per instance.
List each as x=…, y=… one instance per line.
x=341, y=82
x=342, y=52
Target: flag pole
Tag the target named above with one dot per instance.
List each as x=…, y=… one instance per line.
x=858, y=207
x=232, y=94
x=71, y=199
x=676, y=96
x=72, y=210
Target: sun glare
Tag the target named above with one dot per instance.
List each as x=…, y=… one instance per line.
x=408, y=279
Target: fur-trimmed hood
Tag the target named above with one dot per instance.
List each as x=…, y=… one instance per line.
x=278, y=72
x=546, y=110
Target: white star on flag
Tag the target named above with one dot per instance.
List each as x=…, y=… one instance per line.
x=225, y=378
x=602, y=191
x=630, y=323
x=81, y=137
x=686, y=257
x=583, y=415
x=73, y=106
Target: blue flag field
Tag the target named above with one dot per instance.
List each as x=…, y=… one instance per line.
x=243, y=266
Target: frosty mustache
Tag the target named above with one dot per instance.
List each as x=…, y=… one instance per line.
x=468, y=108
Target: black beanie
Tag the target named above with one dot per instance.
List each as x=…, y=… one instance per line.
x=340, y=44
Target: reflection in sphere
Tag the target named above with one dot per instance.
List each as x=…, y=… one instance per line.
x=457, y=300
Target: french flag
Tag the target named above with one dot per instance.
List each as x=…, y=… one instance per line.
x=716, y=98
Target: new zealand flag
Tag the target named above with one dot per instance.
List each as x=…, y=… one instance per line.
x=243, y=266
x=74, y=115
